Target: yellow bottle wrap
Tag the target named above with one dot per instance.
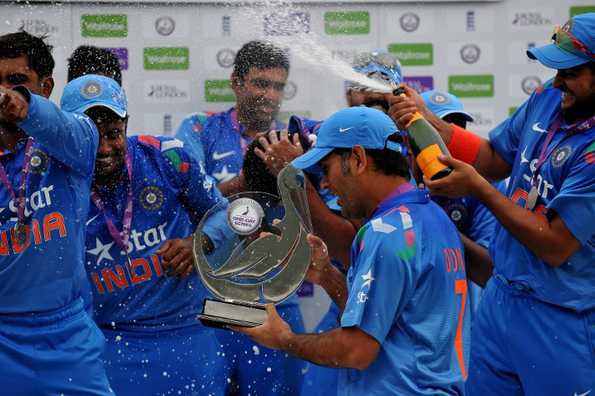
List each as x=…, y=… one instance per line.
x=427, y=160
x=416, y=116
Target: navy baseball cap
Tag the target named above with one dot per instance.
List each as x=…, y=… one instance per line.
x=444, y=103
x=361, y=125
x=92, y=90
x=574, y=44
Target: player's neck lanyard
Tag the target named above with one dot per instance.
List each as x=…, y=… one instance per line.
x=20, y=201
x=544, y=153
x=121, y=238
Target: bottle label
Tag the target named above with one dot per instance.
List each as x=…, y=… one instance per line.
x=427, y=160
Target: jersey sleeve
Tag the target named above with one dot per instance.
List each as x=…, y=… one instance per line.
x=69, y=138
x=505, y=138
x=189, y=133
x=483, y=223
x=197, y=191
x=575, y=203
x=380, y=286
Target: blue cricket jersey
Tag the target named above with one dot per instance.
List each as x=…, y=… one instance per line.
x=170, y=195
x=219, y=140
x=46, y=272
x=408, y=290
x=565, y=185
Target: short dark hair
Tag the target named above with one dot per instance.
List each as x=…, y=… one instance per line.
x=387, y=161
x=261, y=55
x=38, y=52
x=256, y=174
x=87, y=59
x=103, y=114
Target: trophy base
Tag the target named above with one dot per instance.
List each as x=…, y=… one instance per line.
x=221, y=314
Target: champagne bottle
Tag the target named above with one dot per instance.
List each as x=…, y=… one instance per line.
x=426, y=145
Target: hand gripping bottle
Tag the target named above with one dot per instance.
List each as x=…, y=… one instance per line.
x=426, y=145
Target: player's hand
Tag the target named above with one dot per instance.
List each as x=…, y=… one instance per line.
x=277, y=153
x=320, y=262
x=402, y=107
x=272, y=333
x=463, y=180
x=176, y=257
x=13, y=106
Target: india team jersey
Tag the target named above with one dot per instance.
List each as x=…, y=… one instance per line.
x=170, y=195
x=45, y=271
x=565, y=184
x=408, y=290
x=222, y=139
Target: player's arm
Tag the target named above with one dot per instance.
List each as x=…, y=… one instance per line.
x=466, y=146
x=547, y=237
x=478, y=263
x=233, y=186
x=321, y=272
x=69, y=138
x=343, y=347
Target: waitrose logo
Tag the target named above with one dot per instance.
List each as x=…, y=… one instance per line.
x=219, y=91
x=166, y=58
x=355, y=22
x=471, y=86
x=104, y=25
x=414, y=54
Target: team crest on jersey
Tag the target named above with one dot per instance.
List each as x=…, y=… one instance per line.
x=91, y=90
x=151, y=198
x=457, y=213
x=39, y=162
x=561, y=155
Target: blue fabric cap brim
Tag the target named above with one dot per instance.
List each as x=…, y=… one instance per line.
x=309, y=161
x=552, y=56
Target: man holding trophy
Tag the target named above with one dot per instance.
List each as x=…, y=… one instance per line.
x=405, y=323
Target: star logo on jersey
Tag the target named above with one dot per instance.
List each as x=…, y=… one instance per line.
x=524, y=159
x=537, y=128
x=224, y=175
x=368, y=279
x=151, y=198
x=379, y=226
x=101, y=251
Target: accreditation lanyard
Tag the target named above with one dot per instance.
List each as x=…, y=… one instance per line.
x=121, y=238
x=20, y=201
x=544, y=153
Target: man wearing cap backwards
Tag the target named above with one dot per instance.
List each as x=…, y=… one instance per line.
x=407, y=254
x=147, y=197
x=534, y=329
x=48, y=343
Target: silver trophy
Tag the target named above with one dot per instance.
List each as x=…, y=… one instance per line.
x=263, y=256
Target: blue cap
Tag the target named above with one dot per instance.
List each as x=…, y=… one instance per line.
x=379, y=62
x=92, y=90
x=444, y=103
x=361, y=125
x=563, y=53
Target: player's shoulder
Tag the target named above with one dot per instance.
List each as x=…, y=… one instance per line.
x=198, y=120
x=164, y=150
x=392, y=230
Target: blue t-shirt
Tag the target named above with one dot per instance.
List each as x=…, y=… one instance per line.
x=408, y=290
x=565, y=185
x=46, y=272
x=219, y=140
x=170, y=195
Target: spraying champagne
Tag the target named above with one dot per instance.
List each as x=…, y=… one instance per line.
x=426, y=145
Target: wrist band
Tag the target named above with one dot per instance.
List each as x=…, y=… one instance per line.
x=464, y=145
